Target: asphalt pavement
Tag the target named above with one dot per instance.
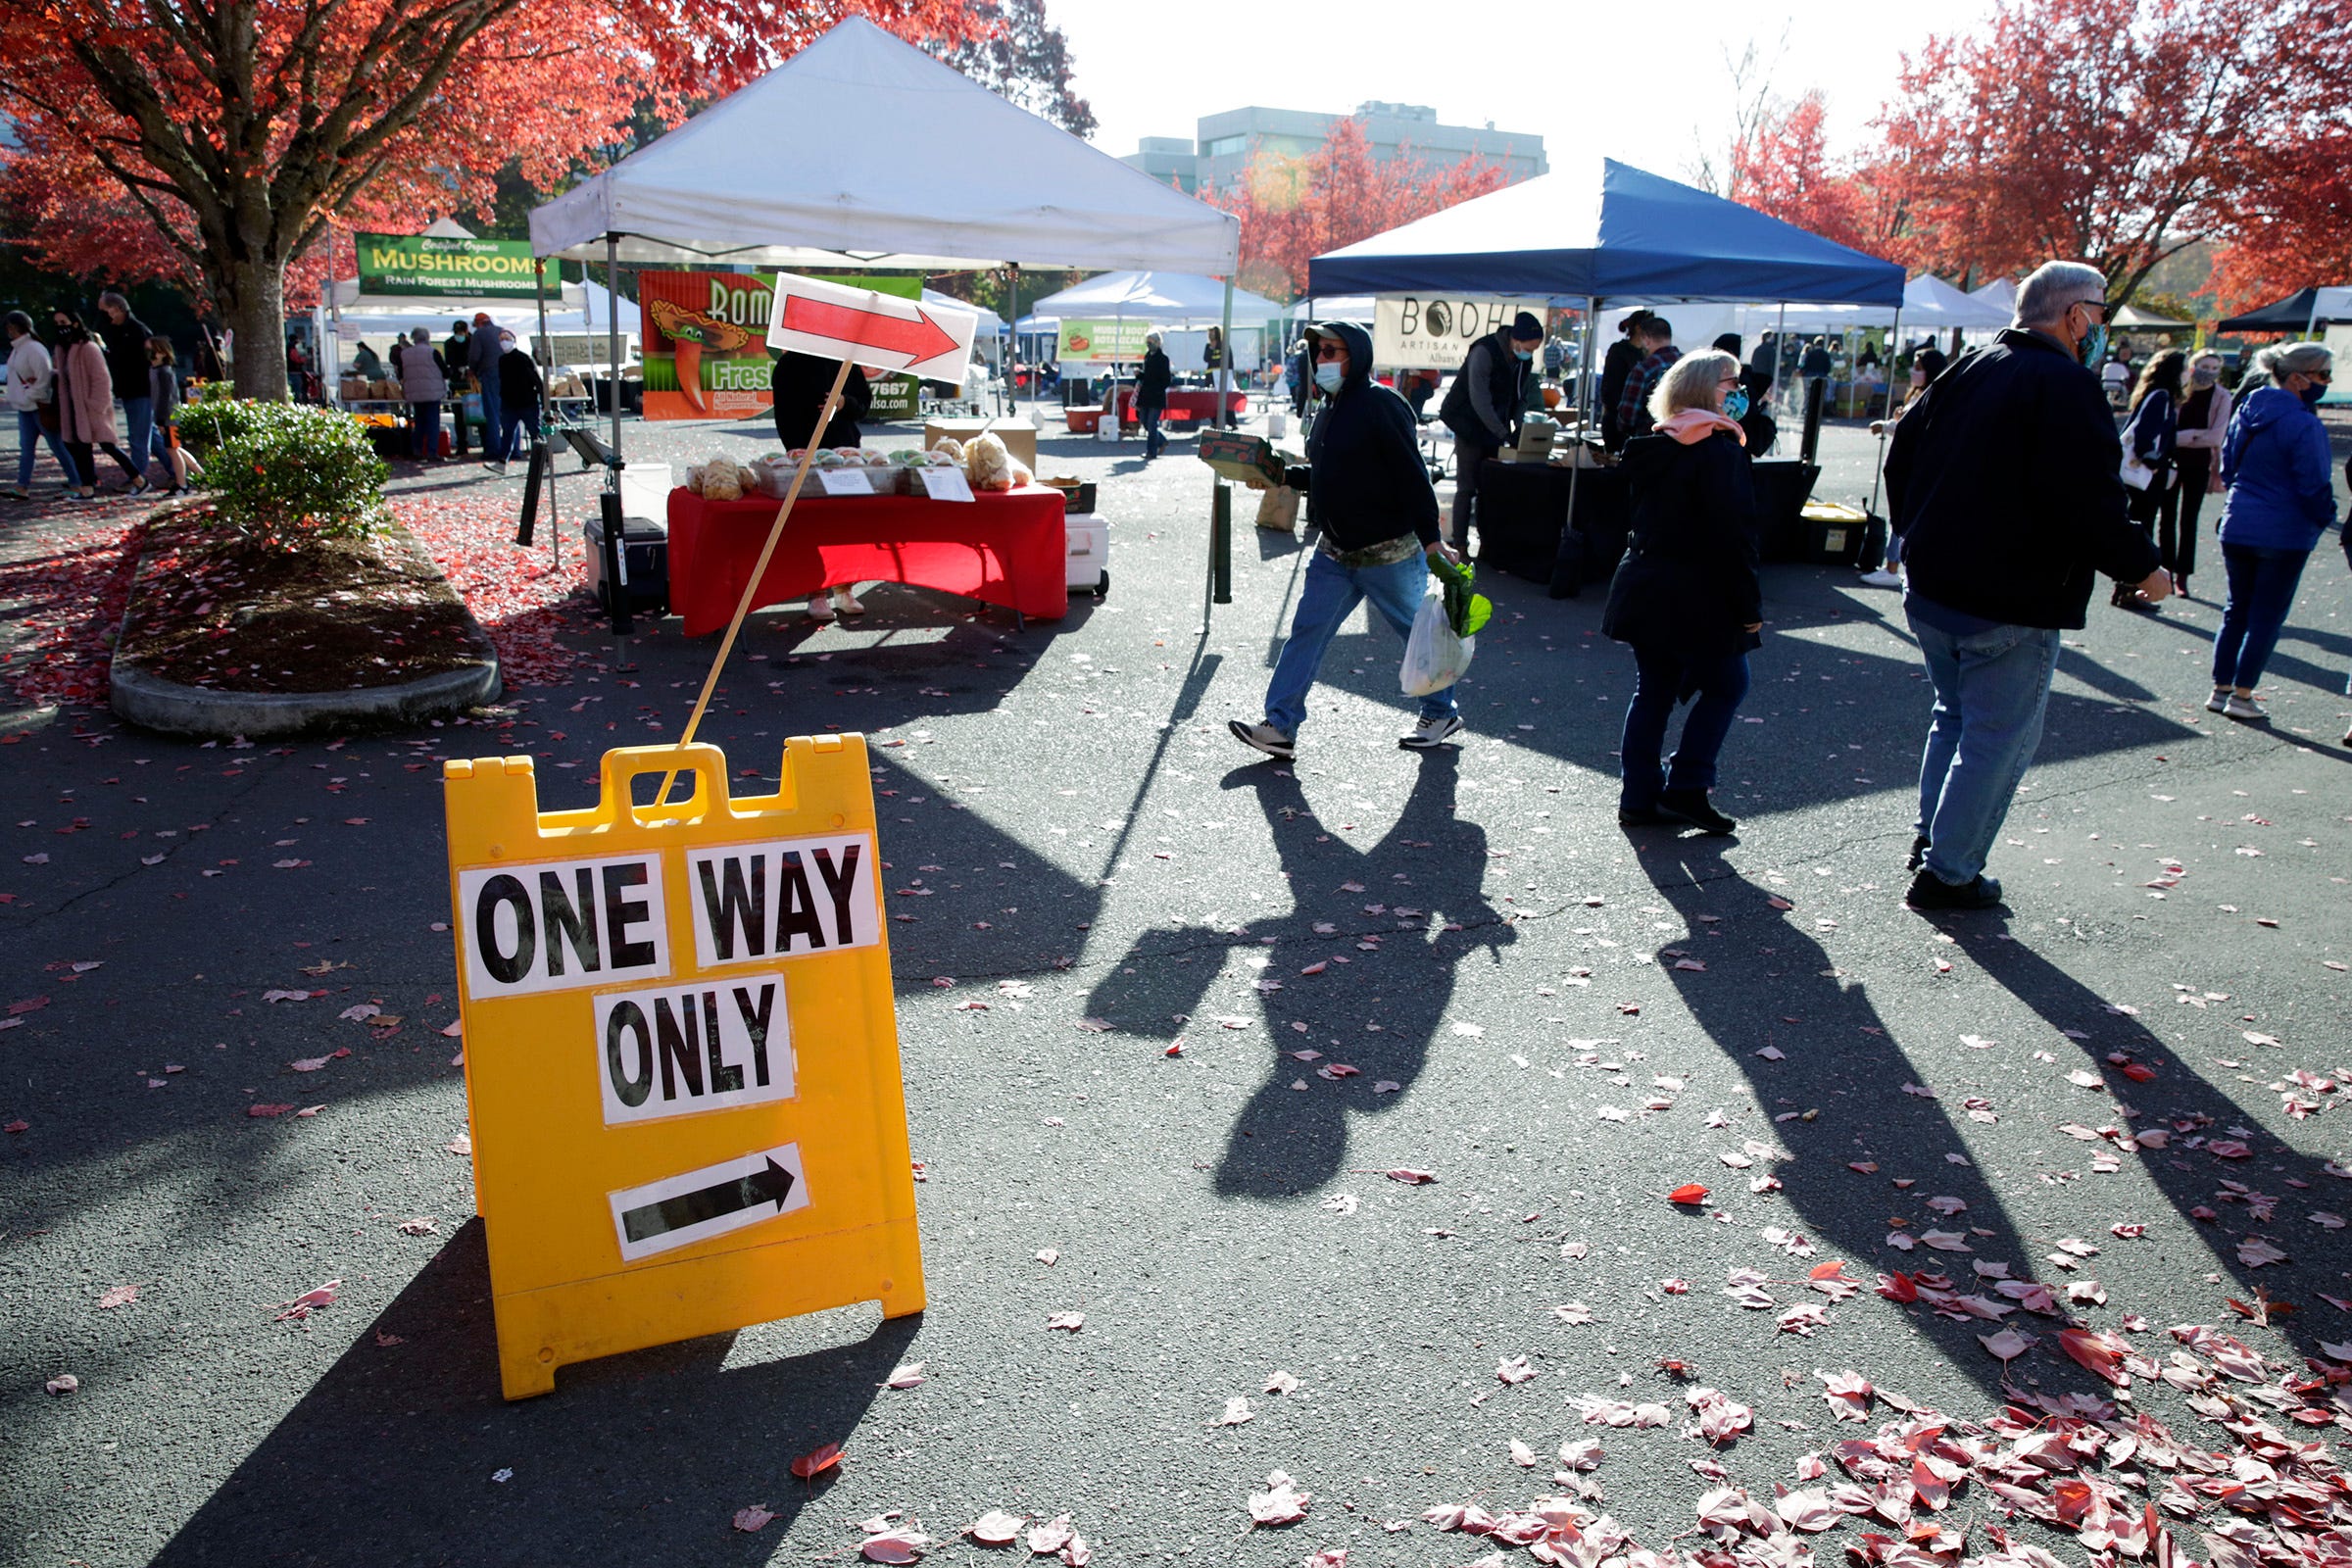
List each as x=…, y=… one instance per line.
x=1563, y=1021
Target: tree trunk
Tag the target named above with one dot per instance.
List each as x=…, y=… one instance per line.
x=252, y=295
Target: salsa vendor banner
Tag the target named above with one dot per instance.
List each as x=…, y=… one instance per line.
x=1102, y=342
x=705, y=354
x=428, y=266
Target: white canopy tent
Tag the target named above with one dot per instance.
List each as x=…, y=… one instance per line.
x=940, y=175
x=1186, y=304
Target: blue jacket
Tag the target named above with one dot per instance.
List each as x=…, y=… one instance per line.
x=2282, y=494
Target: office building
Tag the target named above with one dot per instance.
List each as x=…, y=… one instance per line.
x=1219, y=154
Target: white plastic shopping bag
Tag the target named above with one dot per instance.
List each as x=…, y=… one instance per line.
x=1434, y=657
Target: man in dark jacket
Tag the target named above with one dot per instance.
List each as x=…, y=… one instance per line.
x=521, y=391
x=453, y=361
x=1151, y=393
x=1379, y=520
x=1483, y=407
x=124, y=337
x=2002, y=484
x=481, y=363
x=799, y=382
x=1655, y=338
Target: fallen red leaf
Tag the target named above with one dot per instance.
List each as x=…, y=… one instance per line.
x=1687, y=1193
x=816, y=1461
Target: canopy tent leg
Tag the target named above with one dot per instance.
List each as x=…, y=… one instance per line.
x=544, y=453
x=1012, y=372
x=1894, y=344
x=613, y=330
x=1567, y=566
x=1780, y=356
x=1220, y=532
x=2311, y=324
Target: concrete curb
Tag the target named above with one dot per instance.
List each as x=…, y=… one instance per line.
x=166, y=706
x=153, y=702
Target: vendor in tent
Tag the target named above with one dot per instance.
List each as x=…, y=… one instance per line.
x=364, y=361
x=799, y=382
x=1484, y=406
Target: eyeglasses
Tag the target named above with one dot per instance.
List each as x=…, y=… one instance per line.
x=2099, y=305
x=1331, y=351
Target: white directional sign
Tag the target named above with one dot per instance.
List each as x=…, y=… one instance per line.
x=680, y=1048
x=697, y=1204
x=879, y=332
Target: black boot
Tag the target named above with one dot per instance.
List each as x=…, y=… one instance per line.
x=1693, y=805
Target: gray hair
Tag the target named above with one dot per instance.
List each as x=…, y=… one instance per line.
x=2283, y=360
x=1689, y=382
x=421, y=335
x=112, y=297
x=2051, y=287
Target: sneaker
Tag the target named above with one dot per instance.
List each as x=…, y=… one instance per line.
x=1881, y=579
x=846, y=603
x=2218, y=700
x=18, y=492
x=1262, y=736
x=1432, y=732
x=495, y=466
x=1919, y=853
x=2245, y=708
x=1649, y=816
x=1928, y=891
x=820, y=607
x=1693, y=806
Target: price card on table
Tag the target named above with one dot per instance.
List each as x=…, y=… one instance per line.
x=947, y=484
x=845, y=481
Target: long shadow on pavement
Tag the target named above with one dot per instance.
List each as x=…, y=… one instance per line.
x=1287, y=1142
x=1841, y=1084
x=2219, y=1192
x=394, y=1456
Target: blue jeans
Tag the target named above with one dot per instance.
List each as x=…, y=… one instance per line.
x=1659, y=676
x=28, y=435
x=515, y=432
x=1153, y=441
x=424, y=429
x=2261, y=589
x=1330, y=596
x=138, y=416
x=494, y=436
x=1991, y=691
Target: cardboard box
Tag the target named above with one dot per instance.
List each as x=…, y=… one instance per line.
x=1018, y=435
x=1242, y=457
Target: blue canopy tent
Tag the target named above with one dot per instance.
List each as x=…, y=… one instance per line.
x=1609, y=233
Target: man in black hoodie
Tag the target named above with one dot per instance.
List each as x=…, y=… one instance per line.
x=1379, y=516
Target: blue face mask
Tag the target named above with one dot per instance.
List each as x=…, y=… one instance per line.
x=2312, y=394
x=1524, y=354
x=2092, y=350
x=1328, y=375
x=1735, y=404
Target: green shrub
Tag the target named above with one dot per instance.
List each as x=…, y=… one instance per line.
x=205, y=423
x=283, y=472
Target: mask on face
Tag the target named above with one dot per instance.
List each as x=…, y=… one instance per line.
x=2310, y=394
x=1735, y=404
x=1328, y=375
x=2092, y=350
x=2204, y=375
x=1524, y=355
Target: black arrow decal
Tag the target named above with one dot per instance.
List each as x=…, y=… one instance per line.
x=689, y=1210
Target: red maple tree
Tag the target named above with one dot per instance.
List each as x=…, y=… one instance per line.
x=1785, y=169
x=1294, y=208
x=239, y=130
x=2109, y=132
x=2293, y=218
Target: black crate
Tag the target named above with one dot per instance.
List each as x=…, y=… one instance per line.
x=647, y=545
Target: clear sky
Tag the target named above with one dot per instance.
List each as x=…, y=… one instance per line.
x=1633, y=80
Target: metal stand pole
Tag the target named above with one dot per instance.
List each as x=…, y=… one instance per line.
x=1012, y=372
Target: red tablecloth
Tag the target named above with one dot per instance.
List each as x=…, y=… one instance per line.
x=1005, y=548
x=1195, y=403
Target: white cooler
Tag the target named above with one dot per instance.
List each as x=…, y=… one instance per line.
x=1088, y=564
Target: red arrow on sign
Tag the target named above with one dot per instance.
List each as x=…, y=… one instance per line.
x=922, y=338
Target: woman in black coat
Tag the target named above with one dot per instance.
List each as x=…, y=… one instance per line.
x=1686, y=595
x=1151, y=394
x=2150, y=436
